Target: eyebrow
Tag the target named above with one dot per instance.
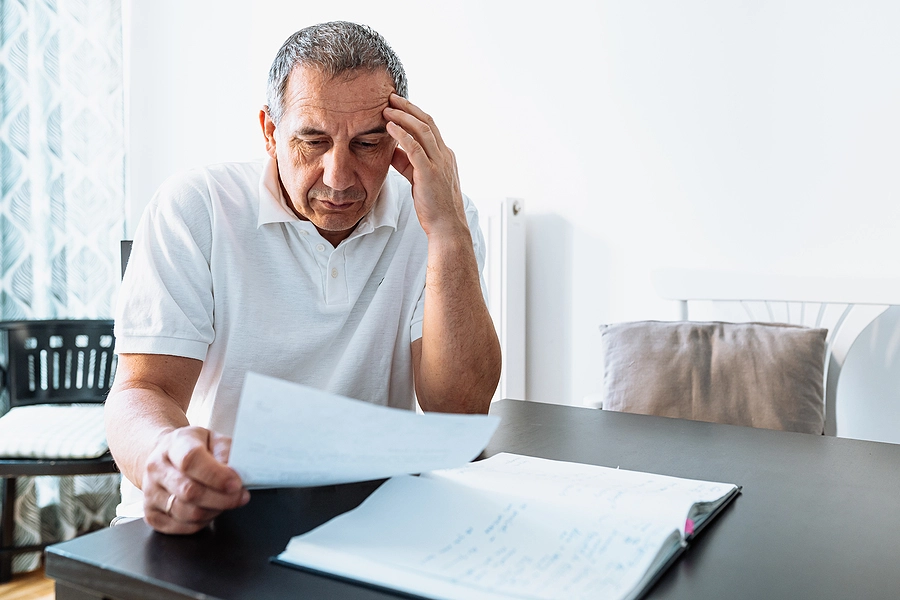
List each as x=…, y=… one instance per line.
x=313, y=131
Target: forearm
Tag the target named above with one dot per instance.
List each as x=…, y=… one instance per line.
x=149, y=398
x=181, y=470
x=460, y=359
x=135, y=420
x=457, y=361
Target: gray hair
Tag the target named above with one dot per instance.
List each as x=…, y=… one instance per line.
x=334, y=48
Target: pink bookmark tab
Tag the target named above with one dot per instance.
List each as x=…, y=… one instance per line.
x=689, y=527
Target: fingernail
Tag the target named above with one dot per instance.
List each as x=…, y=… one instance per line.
x=233, y=485
x=245, y=497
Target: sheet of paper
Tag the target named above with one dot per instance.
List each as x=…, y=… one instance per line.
x=588, y=486
x=436, y=538
x=290, y=435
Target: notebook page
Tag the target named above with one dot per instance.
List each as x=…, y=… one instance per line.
x=590, y=487
x=433, y=537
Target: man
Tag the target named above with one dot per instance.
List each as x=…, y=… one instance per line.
x=319, y=266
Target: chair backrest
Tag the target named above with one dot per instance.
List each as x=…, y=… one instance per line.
x=124, y=254
x=843, y=306
x=58, y=361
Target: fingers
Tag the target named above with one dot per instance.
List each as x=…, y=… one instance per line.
x=168, y=513
x=430, y=167
x=195, y=493
x=414, y=130
x=402, y=104
x=414, y=152
x=220, y=446
x=401, y=162
x=191, y=452
x=185, y=485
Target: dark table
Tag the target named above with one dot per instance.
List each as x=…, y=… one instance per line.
x=819, y=517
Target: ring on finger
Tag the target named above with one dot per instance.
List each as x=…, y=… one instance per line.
x=169, y=504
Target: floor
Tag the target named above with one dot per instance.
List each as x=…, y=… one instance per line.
x=28, y=586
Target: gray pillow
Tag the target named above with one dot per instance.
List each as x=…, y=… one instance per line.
x=754, y=374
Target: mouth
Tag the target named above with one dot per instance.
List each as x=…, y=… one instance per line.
x=336, y=206
x=337, y=201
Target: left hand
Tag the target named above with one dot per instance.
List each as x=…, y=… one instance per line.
x=429, y=165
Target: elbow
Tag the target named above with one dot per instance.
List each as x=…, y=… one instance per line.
x=468, y=389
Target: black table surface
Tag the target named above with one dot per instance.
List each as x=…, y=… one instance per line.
x=819, y=517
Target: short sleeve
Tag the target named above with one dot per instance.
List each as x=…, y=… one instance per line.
x=165, y=304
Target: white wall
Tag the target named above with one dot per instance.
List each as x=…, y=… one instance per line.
x=737, y=135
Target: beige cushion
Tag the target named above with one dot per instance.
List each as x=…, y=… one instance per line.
x=53, y=431
x=755, y=374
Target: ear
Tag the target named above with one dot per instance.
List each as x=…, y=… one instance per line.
x=268, y=129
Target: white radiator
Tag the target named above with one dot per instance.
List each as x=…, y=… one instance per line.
x=505, y=275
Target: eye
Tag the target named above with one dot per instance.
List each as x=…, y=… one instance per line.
x=366, y=144
x=310, y=145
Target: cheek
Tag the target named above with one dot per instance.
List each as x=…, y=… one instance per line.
x=381, y=160
x=296, y=170
x=376, y=165
x=375, y=172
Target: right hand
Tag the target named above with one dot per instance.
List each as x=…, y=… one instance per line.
x=189, y=466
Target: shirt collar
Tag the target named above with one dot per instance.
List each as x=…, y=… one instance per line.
x=273, y=205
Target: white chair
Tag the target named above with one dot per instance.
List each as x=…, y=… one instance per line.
x=844, y=306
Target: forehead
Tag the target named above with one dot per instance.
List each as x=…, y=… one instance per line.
x=315, y=98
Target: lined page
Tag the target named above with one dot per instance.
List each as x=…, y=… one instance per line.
x=434, y=537
x=591, y=487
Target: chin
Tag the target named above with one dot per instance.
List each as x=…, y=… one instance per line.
x=336, y=225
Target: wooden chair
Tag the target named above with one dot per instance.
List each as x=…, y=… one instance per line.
x=51, y=363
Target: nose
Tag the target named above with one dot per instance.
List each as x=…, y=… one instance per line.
x=338, y=168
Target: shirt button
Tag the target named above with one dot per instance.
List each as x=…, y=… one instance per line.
x=304, y=232
x=320, y=247
x=334, y=273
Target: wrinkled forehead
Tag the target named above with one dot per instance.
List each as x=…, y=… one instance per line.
x=360, y=92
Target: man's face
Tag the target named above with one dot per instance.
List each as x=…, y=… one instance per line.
x=332, y=147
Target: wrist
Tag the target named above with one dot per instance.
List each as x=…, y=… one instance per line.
x=450, y=234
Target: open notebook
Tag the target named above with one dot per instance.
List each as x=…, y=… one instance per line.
x=514, y=527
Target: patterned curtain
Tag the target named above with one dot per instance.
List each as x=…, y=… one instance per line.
x=62, y=207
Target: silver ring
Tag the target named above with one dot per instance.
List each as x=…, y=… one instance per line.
x=169, y=504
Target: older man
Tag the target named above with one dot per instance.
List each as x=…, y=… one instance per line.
x=317, y=266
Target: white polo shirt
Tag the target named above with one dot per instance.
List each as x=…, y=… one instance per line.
x=222, y=271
